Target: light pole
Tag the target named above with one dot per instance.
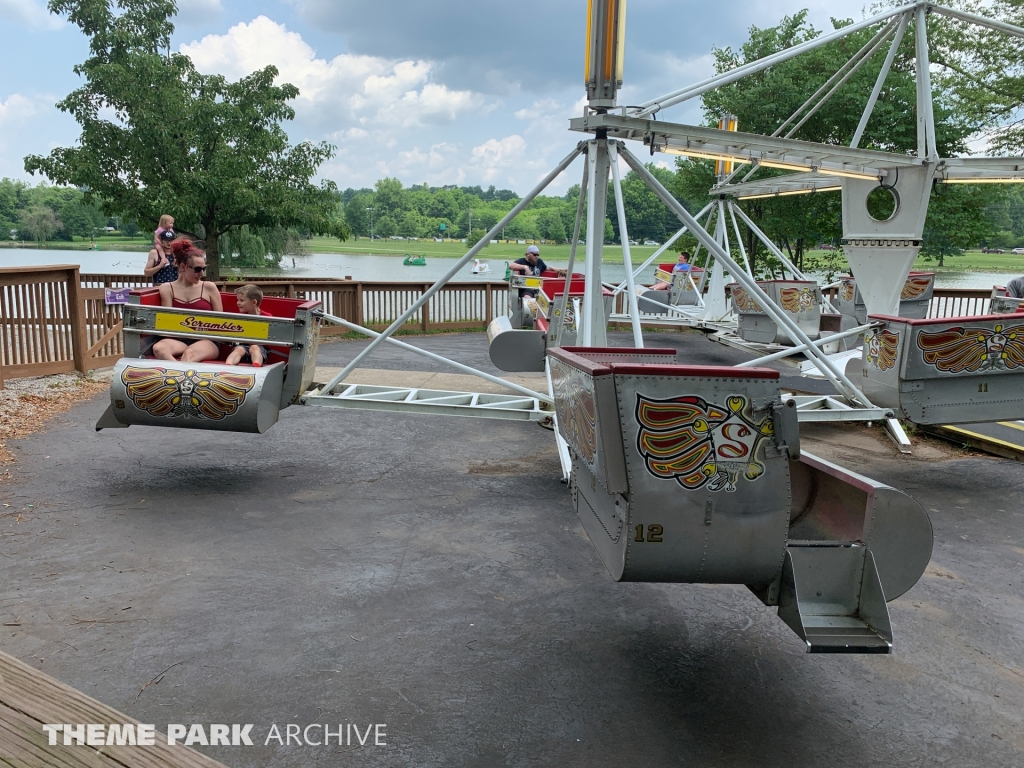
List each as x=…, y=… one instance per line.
x=371, y=210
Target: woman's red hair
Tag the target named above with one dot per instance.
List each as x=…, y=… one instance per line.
x=184, y=251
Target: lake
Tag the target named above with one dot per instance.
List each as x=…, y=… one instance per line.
x=381, y=268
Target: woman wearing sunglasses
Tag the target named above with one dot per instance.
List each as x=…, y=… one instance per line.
x=189, y=291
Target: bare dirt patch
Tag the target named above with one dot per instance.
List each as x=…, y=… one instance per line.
x=27, y=404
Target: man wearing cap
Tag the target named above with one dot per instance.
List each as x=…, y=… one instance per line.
x=530, y=264
x=158, y=265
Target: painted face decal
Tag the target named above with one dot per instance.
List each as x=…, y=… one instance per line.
x=698, y=443
x=186, y=394
x=743, y=301
x=574, y=404
x=915, y=286
x=965, y=350
x=882, y=349
x=797, y=300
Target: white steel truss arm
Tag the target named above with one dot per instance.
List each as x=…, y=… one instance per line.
x=863, y=54
x=627, y=261
x=879, y=41
x=776, y=251
x=981, y=21
x=882, y=75
x=555, y=333
x=730, y=206
x=725, y=78
x=837, y=377
x=470, y=255
x=326, y=389
x=925, y=119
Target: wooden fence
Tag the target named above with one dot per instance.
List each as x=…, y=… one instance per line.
x=54, y=320
x=50, y=323
x=456, y=307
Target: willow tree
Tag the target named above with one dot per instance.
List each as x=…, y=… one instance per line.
x=160, y=137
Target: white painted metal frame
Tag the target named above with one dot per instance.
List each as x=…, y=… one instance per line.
x=432, y=401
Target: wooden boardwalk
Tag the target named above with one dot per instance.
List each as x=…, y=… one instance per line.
x=29, y=699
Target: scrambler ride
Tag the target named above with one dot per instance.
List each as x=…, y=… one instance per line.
x=683, y=473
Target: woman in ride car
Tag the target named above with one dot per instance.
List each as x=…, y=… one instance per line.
x=189, y=291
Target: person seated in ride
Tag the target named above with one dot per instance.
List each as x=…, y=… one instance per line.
x=682, y=265
x=1015, y=288
x=189, y=291
x=249, y=299
x=531, y=264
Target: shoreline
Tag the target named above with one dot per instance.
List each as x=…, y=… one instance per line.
x=504, y=251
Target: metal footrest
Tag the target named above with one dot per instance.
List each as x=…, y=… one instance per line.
x=440, y=402
x=834, y=408
x=831, y=596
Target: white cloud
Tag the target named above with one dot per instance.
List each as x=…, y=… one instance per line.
x=364, y=92
x=29, y=13
x=16, y=107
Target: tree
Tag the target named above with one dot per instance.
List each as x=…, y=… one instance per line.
x=82, y=220
x=550, y=224
x=385, y=226
x=390, y=198
x=983, y=70
x=961, y=210
x=647, y=218
x=210, y=152
x=39, y=222
x=763, y=101
x=357, y=215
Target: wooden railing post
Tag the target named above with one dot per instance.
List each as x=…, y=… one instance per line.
x=425, y=311
x=79, y=343
x=488, y=304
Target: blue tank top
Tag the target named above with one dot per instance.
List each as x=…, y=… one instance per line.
x=166, y=275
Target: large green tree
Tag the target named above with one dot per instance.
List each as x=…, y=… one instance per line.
x=160, y=137
x=765, y=100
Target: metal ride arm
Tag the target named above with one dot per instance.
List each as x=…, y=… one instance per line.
x=558, y=323
x=620, y=207
x=838, y=378
x=801, y=347
x=882, y=75
x=684, y=94
x=470, y=255
x=432, y=356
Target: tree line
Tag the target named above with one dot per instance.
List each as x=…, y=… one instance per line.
x=389, y=209
x=45, y=213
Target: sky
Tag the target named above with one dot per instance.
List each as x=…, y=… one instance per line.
x=441, y=92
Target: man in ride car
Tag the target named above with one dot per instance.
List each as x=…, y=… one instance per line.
x=531, y=264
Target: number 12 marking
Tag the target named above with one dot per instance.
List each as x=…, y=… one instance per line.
x=654, y=533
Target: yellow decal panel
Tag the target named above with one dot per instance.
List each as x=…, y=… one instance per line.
x=543, y=302
x=211, y=325
x=663, y=276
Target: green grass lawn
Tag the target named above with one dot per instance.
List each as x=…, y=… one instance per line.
x=137, y=243
x=453, y=250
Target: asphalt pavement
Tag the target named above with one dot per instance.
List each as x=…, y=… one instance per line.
x=429, y=573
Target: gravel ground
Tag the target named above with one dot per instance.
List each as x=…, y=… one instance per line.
x=27, y=404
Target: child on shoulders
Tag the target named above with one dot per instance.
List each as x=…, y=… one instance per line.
x=166, y=225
